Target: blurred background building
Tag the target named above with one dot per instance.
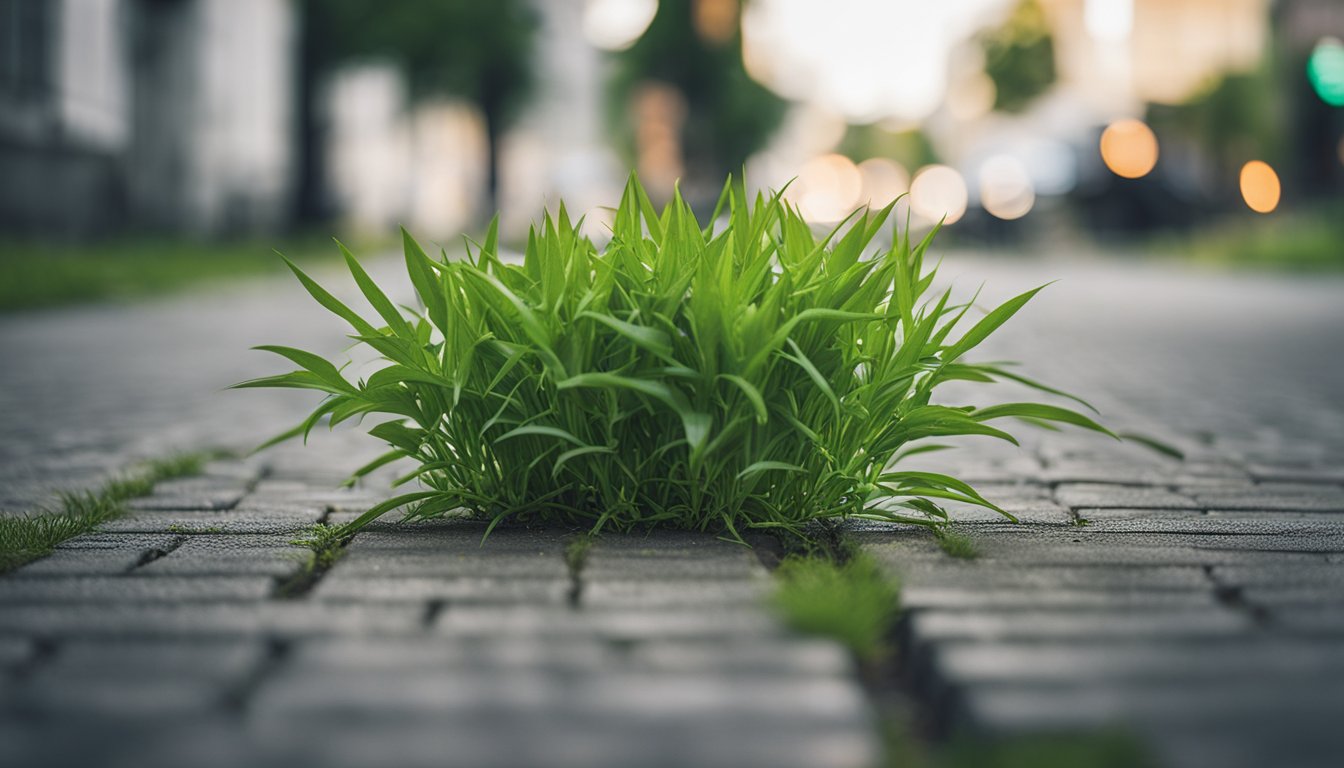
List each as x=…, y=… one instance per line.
x=1010, y=118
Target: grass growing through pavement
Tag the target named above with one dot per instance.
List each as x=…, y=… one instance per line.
x=853, y=602
x=326, y=543
x=28, y=537
x=740, y=374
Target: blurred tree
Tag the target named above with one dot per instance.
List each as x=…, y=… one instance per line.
x=1020, y=57
x=695, y=47
x=1235, y=118
x=479, y=51
x=911, y=148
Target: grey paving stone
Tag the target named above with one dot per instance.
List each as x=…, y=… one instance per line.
x=1134, y=661
x=390, y=694
x=14, y=651
x=121, y=541
x=133, y=588
x=1272, y=500
x=69, y=562
x=205, y=499
x=449, y=564
x=288, y=521
x=342, y=585
x=623, y=625
x=284, y=619
x=1108, y=595
x=222, y=660
x=1286, y=574
x=163, y=698
x=1124, y=577
x=647, y=593
x=1146, y=622
x=230, y=555
x=1096, y=495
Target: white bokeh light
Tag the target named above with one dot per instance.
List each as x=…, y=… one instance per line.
x=866, y=59
x=827, y=188
x=614, y=25
x=883, y=181
x=1005, y=185
x=938, y=192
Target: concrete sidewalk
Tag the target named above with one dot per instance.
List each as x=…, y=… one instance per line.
x=1200, y=604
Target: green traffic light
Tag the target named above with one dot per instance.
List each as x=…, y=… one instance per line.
x=1325, y=70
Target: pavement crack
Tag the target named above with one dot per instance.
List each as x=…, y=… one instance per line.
x=156, y=553
x=237, y=698
x=1233, y=597
x=433, y=609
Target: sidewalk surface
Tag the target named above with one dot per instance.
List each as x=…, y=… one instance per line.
x=1201, y=605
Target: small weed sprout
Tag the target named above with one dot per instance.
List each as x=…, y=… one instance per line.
x=854, y=602
x=740, y=375
x=955, y=543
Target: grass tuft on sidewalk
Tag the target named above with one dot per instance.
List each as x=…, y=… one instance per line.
x=744, y=374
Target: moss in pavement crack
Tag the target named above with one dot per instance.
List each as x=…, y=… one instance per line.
x=25, y=538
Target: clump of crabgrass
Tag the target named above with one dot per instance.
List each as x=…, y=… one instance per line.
x=740, y=374
x=24, y=538
x=853, y=602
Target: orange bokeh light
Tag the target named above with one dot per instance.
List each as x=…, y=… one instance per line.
x=1129, y=148
x=1260, y=186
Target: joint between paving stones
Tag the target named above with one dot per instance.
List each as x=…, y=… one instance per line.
x=156, y=553
x=236, y=700
x=1233, y=597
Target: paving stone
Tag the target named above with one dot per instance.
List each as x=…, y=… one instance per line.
x=621, y=625
x=122, y=541
x=133, y=588
x=290, y=521
x=342, y=585
x=206, y=499
x=1107, y=595
x=670, y=593
x=937, y=625
x=163, y=698
x=141, y=620
x=392, y=563
x=230, y=555
x=1132, y=662
x=1273, y=501
x=14, y=651
x=1096, y=495
x=219, y=660
x=69, y=562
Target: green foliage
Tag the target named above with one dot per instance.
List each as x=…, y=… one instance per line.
x=1309, y=240
x=1234, y=118
x=25, y=538
x=576, y=553
x=36, y=274
x=729, y=115
x=854, y=603
x=955, y=543
x=1020, y=57
x=480, y=51
x=326, y=543
x=742, y=375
